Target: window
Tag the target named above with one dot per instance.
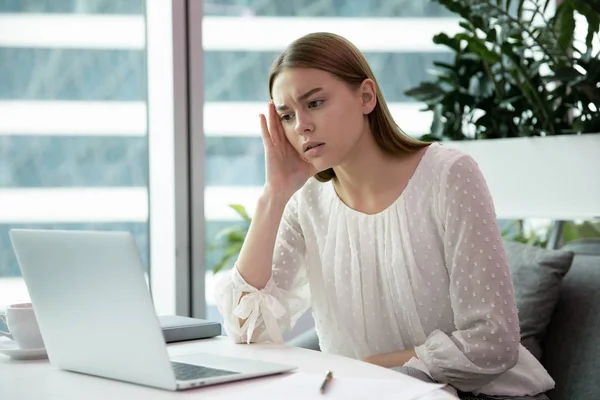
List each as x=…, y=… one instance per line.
x=80, y=127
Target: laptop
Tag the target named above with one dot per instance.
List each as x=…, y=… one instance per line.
x=96, y=316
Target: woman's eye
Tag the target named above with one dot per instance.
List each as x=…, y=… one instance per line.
x=286, y=117
x=314, y=103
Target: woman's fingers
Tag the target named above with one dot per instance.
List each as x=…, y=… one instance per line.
x=275, y=127
x=266, y=136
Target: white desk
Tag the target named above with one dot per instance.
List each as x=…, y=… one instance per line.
x=40, y=380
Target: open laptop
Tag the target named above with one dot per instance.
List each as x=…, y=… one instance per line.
x=96, y=316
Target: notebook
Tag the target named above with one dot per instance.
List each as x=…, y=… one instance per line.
x=176, y=328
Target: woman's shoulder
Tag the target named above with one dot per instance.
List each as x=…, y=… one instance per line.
x=441, y=158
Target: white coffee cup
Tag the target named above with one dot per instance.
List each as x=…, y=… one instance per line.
x=23, y=326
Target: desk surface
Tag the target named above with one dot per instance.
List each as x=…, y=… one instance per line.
x=40, y=380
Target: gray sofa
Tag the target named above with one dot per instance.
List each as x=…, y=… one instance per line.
x=571, y=346
x=570, y=350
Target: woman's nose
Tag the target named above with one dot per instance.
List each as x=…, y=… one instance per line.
x=303, y=124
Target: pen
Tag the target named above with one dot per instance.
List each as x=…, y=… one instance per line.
x=326, y=381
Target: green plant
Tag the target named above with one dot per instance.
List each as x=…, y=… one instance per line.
x=230, y=239
x=571, y=230
x=516, y=232
x=515, y=72
x=581, y=230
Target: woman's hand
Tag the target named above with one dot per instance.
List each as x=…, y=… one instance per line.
x=390, y=360
x=286, y=170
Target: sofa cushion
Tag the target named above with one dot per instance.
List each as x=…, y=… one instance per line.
x=537, y=275
x=571, y=346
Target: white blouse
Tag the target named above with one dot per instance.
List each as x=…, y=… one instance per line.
x=429, y=273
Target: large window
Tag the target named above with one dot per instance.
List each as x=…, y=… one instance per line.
x=80, y=122
x=241, y=39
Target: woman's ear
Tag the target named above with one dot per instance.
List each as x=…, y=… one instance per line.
x=368, y=95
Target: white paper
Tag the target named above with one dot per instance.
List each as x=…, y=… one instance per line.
x=306, y=386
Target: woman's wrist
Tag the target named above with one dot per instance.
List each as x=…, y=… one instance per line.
x=274, y=197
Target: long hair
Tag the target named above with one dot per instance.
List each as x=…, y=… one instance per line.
x=334, y=54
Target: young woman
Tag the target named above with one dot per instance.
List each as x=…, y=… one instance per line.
x=393, y=242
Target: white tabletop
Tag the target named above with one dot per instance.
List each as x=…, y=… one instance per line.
x=38, y=379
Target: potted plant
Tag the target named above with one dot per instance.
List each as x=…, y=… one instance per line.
x=514, y=75
x=522, y=76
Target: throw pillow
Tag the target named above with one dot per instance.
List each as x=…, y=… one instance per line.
x=537, y=275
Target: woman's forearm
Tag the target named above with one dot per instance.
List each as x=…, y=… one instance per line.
x=256, y=256
x=390, y=360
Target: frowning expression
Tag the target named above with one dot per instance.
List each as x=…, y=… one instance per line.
x=323, y=117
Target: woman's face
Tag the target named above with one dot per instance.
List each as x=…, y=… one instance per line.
x=323, y=117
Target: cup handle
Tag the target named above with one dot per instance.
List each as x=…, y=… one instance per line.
x=2, y=333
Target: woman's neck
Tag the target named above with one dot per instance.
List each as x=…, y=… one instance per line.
x=370, y=178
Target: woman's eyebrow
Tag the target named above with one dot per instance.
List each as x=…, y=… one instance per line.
x=301, y=98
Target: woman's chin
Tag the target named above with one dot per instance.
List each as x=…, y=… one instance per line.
x=321, y=163
x=321, y=166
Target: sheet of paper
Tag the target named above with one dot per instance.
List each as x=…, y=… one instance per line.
x=306, y=386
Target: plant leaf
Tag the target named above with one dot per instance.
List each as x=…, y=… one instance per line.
x=564, y=74
x=477, y=46
x=428, y=137
x=546, y=4
x=231, y=231
x=234, y=249
x=565, y=19
x=241, y=211
x=426, y=91
x=593, y=20
x=236, y=237
x=444, y=39
x=492, y=35
x=467, y=25
x=456, y=7
x=220, y=265
x=444, y=65
x=230, y=252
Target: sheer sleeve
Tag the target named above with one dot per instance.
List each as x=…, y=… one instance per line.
x=273, y=310
x=486, y=340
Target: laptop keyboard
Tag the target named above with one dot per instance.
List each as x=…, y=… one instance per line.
x=188, y=372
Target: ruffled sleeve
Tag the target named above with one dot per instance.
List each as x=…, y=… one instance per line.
x=485, y=342
x=273, y=310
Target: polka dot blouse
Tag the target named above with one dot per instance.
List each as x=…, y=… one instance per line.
x=427, y=273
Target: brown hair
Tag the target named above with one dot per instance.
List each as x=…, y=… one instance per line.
x=334, y=54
